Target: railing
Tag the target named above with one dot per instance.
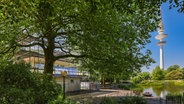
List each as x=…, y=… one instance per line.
x=174, y=99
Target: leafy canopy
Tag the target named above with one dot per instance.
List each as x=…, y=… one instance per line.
x=110, y=34
x=174, y=75
x=141, y=77
x=173, y=67
x=157, y=73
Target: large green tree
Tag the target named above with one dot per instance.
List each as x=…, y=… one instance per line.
x=109, y=33
x=119, y=52
x=157, y=73
x=182, y=70
x=173, y=67
x=174, y=75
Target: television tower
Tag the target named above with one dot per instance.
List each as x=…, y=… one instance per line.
x=161, y=35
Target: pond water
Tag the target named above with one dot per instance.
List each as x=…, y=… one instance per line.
x=162, y=91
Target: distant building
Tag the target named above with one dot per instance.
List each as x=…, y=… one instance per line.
x=36, y=59
x=72, y=82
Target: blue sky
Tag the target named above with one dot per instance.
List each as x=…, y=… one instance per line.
x=174, y=48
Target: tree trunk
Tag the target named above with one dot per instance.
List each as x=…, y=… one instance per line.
x=49, y=64
x=103, y=81
x=49, y=57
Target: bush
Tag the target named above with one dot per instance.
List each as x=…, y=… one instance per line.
x=141, y=77
x=108, y=100
x=133, y=100
x=60, y=100
x=46, y=89
x=20, y=86
x=137, y=79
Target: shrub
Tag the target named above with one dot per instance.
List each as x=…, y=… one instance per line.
x=108, y=100
x=20, y=86
x=60, y=100
x=137, y=79
x=141, y=77
x=46, y=89
x=133, y=100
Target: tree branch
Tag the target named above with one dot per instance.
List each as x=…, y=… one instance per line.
x=69, y=55
x=60, y=47
x=71, y=31
x=28, y=45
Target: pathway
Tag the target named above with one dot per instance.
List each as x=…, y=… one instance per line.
x=95, y=96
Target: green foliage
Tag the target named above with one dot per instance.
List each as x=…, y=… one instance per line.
x=157, y=74
x=5, y=59
x=19, y=85
x=138, y=88
x=60, y=100
x=179, y=83
x=125, y=87
x=16, y=75
x=137, y=79
x=175, y=97
x=171, y=68
x=133, y=100
x=110, y=34
x=153, y=83
x=174, y=94
x=173, y=72
x=45, y=89
x=145, y=75
x=174, y=75
x=141, y=77
x=108, y=100
x=182, y=70
x=171, y=86
x=130, y=86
